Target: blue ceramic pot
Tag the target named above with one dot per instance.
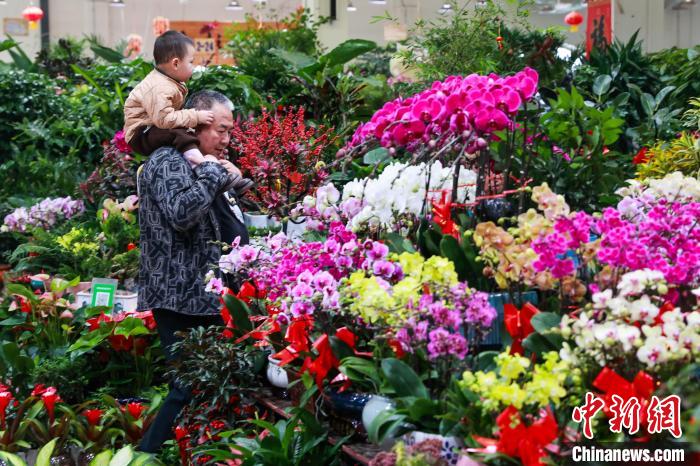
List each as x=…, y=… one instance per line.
x=348, y=404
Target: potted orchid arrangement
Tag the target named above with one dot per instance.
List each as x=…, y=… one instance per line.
x=453, y=122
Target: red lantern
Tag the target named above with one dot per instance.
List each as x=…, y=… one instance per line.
x=573, y=19
x=33, y=14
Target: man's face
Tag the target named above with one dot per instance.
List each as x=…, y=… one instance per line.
x=214, y=138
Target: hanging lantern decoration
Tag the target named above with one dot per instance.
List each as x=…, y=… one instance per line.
x=573, y=19
x=160, y=25
x=33, y=15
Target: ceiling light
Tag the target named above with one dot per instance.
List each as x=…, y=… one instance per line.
x=234, y=5
x=3, y=2
x=378, y=2
x=351, y=7
x=446, y=7
x=117, y=3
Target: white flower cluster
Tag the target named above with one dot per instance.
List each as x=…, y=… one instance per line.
x=398, y=193
x=674, y=186
x=631, y=324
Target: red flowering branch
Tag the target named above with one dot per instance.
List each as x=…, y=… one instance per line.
x=282, y=155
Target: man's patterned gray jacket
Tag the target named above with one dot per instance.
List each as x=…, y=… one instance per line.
x=178, y=226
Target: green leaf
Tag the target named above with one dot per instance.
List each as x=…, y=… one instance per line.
x=123, y=457
x=44, y=456
x=397, y=243
x=346, y=51
x=107, y=54
x=601, y=85
x=239, y=313
x=403, y=379
x=296, y=59
x=486, y=361
x=376, y=156
x=545, y=321
x=662, y=95
x=449, y=248
x=102, y=459
x=12, y=460
x=386, y=424
x=16, y=319
x=647, y=101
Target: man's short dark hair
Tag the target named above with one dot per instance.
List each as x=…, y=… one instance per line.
x=169, y=45
x=206, y=99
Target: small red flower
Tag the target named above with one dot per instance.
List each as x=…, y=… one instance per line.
x=641, y=156
x=39, y=389
x=135, y=410
x=93, y=416
x=5, y=400
x=130, y=246
x=50, y=397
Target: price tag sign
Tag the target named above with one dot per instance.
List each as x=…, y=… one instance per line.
x=103, y=291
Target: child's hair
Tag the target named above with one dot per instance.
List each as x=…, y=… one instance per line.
x=169, y=45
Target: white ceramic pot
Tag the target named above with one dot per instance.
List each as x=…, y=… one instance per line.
x=124, y=301
x=256, y=220
x=375, y=406
x=296, y=230
x=449, y=448
x=276, y=375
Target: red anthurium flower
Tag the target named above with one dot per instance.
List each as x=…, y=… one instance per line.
x=93, y=416
x=130, y=246
x=50, y=397
x=135, y=410
x=5, y=399
x=94, y=322
x=39, y=389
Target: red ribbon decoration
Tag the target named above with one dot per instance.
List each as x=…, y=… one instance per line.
x=518, y=324
x=520, y=441
x=526, y=443
x=611, y=383
x=442, y=215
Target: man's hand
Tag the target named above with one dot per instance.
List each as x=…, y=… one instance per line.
x=230, y=168
x=205, y=117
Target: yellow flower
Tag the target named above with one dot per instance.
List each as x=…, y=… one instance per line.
x=510, y=394
x=511, y=367
x=411, y=264
x=441, y=271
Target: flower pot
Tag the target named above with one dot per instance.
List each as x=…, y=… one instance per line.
x=276, y=375
x=256, y=220
x=348, y=404
x=493, y=340
x=374, y=407
x=295, y=229
x=124, y=301
x=449, y=446
x=82, y=286
x=345, y=411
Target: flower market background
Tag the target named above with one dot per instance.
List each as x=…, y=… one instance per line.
x=468, y=246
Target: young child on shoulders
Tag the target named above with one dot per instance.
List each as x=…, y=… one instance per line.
x=153, y=113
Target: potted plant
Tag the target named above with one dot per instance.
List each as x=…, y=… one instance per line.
x=284, y=156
